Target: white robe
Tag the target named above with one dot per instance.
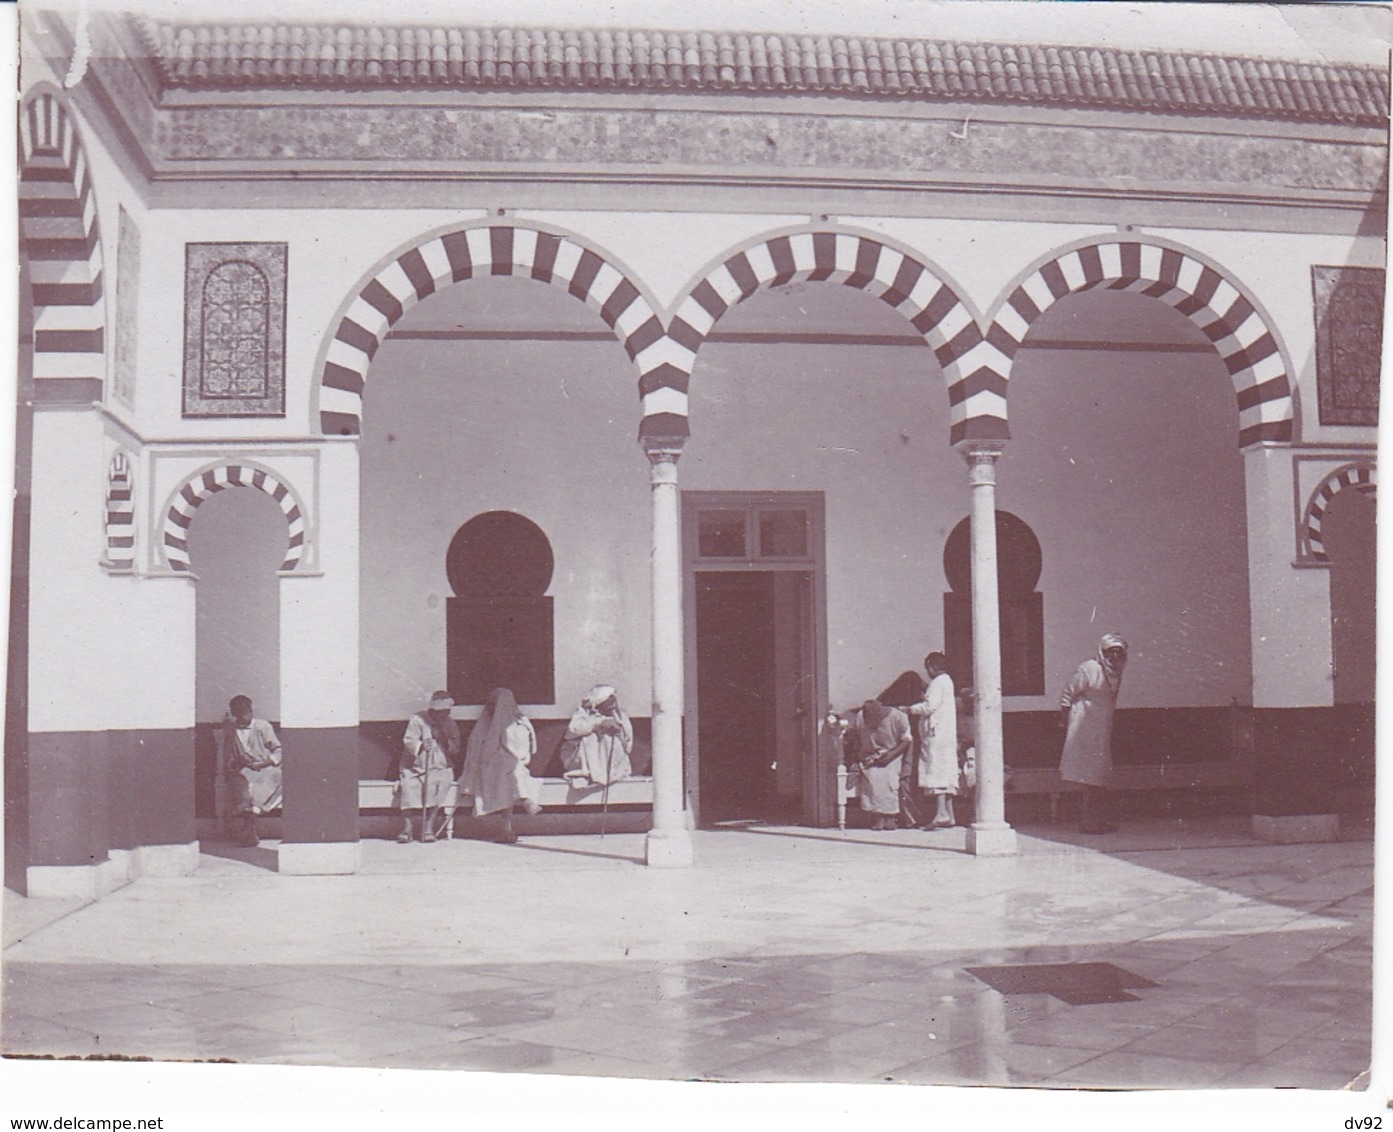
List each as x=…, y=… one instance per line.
x=600, y=757
x=937, y=716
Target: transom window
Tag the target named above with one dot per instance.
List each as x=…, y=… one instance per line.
x=756, y=531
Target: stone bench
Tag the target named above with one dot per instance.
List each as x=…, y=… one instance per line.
x=558, y=797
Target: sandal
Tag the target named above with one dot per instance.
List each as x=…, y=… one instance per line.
x=403, y=839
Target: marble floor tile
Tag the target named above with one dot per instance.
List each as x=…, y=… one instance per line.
x=27, y=1034
x=1309, y=1063
x=1125, y=1070
x=1079, y=1033
x=786, y=954
x=1232, y=1046
x=987, y=1063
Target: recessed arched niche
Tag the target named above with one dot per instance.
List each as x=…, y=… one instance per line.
x=1022, y=607
x=499, y=630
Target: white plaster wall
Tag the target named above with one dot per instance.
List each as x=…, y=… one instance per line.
x=151, y=669
x=1290, y=607
x=548, y=430
x=105, y=651
x=319, y=611
x=1127, y=467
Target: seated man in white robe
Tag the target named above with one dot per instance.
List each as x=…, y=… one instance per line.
x=599, y=740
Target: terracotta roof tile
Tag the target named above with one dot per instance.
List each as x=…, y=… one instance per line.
x=269, y=56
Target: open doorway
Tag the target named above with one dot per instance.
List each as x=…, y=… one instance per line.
x=1350, y=531
x=754, y=669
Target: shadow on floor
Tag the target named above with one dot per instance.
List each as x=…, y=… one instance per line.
x=260, y=857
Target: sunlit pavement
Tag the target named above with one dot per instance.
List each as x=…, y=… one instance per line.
x=1171, y=954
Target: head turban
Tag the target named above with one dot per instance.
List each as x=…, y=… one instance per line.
x=1112, y=641
x=598, y=695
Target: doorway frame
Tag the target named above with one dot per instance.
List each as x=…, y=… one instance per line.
x=815, y=563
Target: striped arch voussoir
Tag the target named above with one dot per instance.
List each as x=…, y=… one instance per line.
x=120, y=515
x=1361, y=477
x=1227, y=317
x=200, y=487
x=61, y=244
x=471, y=253
x=853, y=260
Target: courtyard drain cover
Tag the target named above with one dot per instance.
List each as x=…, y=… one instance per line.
x=1079, y=984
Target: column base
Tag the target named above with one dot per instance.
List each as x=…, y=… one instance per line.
x=992, y=839
x=1296, y=829
x=165, y=860
x=81, y=882
x=669, y=849
x=321, y=858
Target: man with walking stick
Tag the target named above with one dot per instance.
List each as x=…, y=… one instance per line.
x=430, y=742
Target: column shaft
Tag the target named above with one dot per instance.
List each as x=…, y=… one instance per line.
x=669, y=842
x=990, y=835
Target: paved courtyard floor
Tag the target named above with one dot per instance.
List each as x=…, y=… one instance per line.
x=1170, y=955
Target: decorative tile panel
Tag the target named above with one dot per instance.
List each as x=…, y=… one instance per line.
x=234, y=330
x=127, y=282
x=1349, y=343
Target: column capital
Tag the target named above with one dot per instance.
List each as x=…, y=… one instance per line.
x=662, y=458
x=662, y=448
x=980, y=451
x=981, y=457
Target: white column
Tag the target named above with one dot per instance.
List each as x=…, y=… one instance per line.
x=669, y=842
x=989, y=836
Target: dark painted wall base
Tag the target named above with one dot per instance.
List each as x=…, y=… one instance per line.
x=1141, y=737
x=1309, y=760
x=89, y=792
x=319, y=776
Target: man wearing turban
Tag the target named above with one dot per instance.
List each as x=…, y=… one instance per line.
x=598, y=740
x=1087, y=703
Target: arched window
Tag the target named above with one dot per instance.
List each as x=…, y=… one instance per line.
x=236, y=331
x=1022, y=609
x=499, y=628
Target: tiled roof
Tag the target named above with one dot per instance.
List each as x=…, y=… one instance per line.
x=262, y=56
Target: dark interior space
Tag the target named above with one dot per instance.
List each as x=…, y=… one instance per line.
x=736, y=695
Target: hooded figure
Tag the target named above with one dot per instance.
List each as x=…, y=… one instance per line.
x=431, y=740
x=497, y=759
x=1088, y=702
x=598, y=740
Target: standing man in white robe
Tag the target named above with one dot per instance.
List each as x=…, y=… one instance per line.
x=937, y=718
x=1087, y=705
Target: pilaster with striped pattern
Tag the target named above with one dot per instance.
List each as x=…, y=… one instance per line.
x=469, y=253
x=1361, y=477
x=203, y=485
x=60, y=239
x=120, y=515
x=1226, y=316
x=971, y=364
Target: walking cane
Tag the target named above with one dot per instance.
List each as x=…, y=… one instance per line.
x=604, y=795
x=425, y=789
